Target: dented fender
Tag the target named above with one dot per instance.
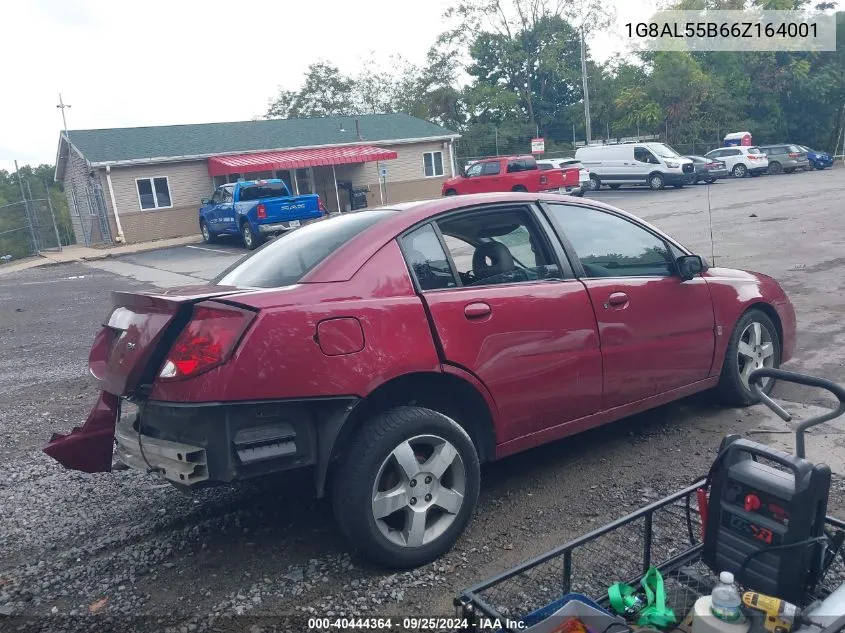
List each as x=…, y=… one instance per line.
x=89, y=448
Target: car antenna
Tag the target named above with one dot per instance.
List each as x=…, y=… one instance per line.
x=710, y=216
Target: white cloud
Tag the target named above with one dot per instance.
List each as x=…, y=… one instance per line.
x=156, y=62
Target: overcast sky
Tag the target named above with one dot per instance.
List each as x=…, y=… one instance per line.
x=156, y=62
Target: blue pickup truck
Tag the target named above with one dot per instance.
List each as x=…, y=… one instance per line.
x=256, y=209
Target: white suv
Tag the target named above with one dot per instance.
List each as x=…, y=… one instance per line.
x=741, y=160
x=568, y=163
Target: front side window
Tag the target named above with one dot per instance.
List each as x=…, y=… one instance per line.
x=734, y=152
x=217, y=198
x=642, y=155
x=154, y=193
x=433, y=164
x=427, y=259
x=475, y=170
x=228, y=194
x=611, y=246
x=498, y=247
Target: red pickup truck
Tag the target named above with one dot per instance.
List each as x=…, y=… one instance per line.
x=511, y=173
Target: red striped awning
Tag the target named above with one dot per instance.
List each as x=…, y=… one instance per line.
x=296, y=159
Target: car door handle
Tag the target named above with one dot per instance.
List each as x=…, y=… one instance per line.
x=616, y=299
x=477, y=310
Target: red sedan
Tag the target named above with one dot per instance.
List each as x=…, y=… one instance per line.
x=390, y=351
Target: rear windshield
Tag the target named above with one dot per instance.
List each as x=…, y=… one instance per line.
x=287, y=259
x=754, y=150
x=795, y=148
x=266, y=190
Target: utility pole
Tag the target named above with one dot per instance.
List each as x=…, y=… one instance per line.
x=587, y=122
x=573, y=137
x=62, y=106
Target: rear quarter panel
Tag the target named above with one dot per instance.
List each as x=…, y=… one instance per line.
x=280, y=357
x=733, y=293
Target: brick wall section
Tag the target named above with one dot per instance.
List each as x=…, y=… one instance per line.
x=189, y=183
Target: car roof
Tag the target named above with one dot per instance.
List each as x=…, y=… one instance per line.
x=346, y=260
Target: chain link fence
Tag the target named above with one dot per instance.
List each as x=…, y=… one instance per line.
x=28, y=227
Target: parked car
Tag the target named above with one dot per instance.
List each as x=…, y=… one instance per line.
x=569, y=163
x=741, y=160
x=256, y=209
x=652, y=164
x=785, y=158
x=385, y=353
x=707, y=170
x=510, y=173
x=817, y=160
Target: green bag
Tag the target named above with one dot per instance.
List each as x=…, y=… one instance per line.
x=649, y=612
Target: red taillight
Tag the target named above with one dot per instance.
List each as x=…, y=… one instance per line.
x=262, y=211
x=207, y=341
x=711, y=166
x=320, y=207
x=793, y=154
x=544, y=180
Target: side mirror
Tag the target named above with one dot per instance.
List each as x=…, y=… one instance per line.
x=206, y=200
x=689, y=266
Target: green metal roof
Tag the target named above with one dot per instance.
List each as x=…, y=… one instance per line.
x=207, y=139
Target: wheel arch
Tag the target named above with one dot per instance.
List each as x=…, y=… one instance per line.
x=445, y=392
x=766, y=308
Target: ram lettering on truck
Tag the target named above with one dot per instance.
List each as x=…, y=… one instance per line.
x=511, y=173
x=255, y=210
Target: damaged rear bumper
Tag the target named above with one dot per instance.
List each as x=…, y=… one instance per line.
x=177, y=462
x=195, y=444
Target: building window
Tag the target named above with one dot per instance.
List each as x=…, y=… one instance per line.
x=433, y=164
x=154, y=193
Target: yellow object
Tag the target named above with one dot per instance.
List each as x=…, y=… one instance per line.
x=770, y=614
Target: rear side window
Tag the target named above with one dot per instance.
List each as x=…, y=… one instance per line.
x=427, y=260
x=737, y=152
x=754, y=150
x=288, y=258
x=266, y=190
x=491, y=169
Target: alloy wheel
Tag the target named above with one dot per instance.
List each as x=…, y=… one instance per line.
x=419, y=490
x=756, y=350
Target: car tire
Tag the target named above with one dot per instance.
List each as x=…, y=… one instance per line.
x=739, y=171
x=818, y=166
x=451, y=192
x=656, y=182
x=710, y=181
x=388, y=455
x=775, y=168
x=614, y=187
x=754, y=343
x=595, y=183
x=207, y=236
x=789, y=170
x=251, y=240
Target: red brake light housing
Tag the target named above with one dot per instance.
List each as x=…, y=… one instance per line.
x=320, y=206
x=544, y=180
x=261, y=210
x=207, y=341
x=794, y=154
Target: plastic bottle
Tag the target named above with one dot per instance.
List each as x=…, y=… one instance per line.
x=725, y=600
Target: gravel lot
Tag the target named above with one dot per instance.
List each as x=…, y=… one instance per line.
x=149, y=557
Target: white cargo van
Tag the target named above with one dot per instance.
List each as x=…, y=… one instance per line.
x=653, y=164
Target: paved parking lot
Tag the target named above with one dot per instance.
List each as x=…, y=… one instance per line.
x=68, y=539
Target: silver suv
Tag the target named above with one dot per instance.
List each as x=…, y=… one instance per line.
x=785, y=158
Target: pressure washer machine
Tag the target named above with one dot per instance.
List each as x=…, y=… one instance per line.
x=764, y=516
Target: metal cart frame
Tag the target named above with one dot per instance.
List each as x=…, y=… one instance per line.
x=665, y=533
